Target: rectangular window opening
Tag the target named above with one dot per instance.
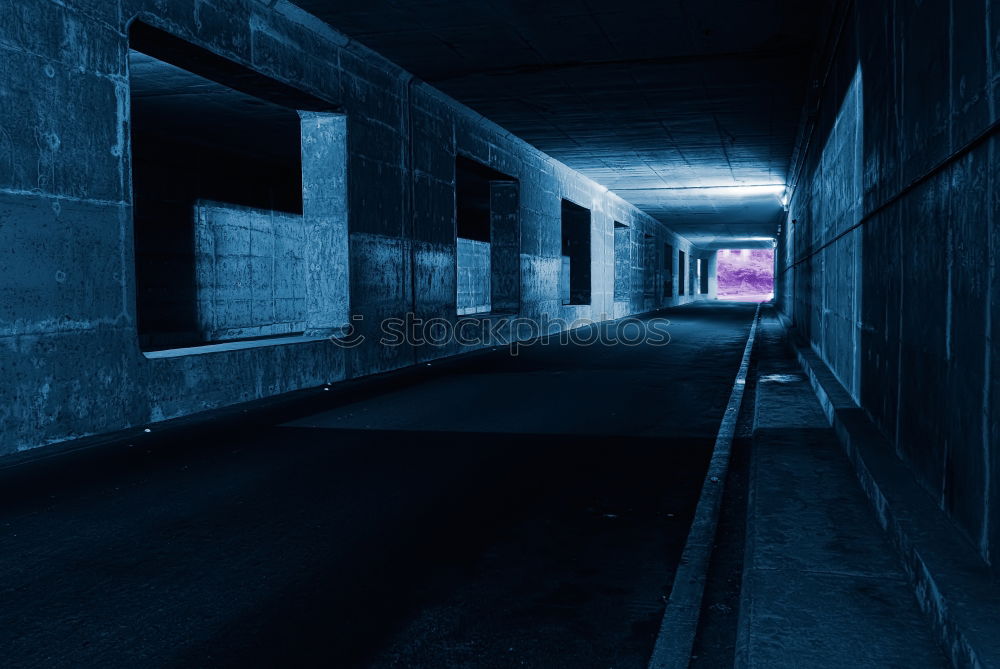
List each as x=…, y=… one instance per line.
x=487, y=240
x=681, y=272
x=224, y=236
x=575, y=273
x=703, y=276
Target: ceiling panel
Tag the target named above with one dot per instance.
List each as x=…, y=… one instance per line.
x=646, y=98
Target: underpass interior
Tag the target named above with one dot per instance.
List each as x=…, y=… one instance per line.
x=486, y=334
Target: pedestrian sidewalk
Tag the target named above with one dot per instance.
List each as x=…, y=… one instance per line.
x=822, y=585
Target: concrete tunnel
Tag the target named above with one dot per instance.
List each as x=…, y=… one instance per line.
x=499, y=334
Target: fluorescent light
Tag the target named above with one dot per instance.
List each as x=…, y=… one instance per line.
x=739, y=191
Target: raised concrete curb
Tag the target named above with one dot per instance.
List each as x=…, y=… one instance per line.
x=680, y=619
x=953, y=586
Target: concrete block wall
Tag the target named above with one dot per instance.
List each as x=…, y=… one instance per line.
x=691, y=282
x=69, y=353
x=251, y=272
x=474, y=286
x=623, y=263
x=887, y=261
x=713, y=275
x=565, y=289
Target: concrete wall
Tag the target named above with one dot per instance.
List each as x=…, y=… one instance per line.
x=69, y=354
x=887, y=259
x=473, y=276
x=713, y=275
x=251, y=272
x=692, y=282
x=504, y=265
x=565, y=291
x=623, y=263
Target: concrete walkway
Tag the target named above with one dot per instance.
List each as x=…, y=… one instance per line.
x=822, y=586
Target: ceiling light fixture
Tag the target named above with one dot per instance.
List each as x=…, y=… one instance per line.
x=735, y=191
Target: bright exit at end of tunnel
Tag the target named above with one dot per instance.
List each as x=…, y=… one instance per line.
x=746, y=275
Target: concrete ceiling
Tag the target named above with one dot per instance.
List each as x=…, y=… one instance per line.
x=173, y=103
x=657, y=100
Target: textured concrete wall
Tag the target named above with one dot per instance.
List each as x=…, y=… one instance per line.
x=669, y=278
x=650, y=280
x=325, y=212
x=504, y=263
x=693, y=281
x=69, y=355
x=623, y=263
x=888, y=255
x=251, y=272
x=713, y=275
x=474, y=290
x=565, y=289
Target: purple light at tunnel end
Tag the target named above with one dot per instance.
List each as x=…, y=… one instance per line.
x=746, y=275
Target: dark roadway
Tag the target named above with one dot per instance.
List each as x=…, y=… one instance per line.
x=488, y=511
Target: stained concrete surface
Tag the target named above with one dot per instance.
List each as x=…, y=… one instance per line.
x=643, y=97
x=887, y=257
x=472, y=262
x=822, y=585
x=407, y=541
x=72, y=257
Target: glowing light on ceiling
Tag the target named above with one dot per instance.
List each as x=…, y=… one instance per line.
x=740, y=191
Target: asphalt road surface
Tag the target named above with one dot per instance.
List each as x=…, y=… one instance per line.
x=491, y=511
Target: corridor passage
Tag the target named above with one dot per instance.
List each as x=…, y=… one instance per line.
x=487, y=511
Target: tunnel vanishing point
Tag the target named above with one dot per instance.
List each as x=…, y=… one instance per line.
x=491, y=333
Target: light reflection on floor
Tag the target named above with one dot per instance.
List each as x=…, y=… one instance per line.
x=748, y=298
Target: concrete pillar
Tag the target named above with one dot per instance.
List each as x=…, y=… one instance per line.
x=713, y=275
x=623, y=263
x=692, y=277
x=473, y=259
x=505, y=246
x=324, y=210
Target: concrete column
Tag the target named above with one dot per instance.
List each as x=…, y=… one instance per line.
x=505, y=246
x=623, y=264
x=713, y=275
x=324, y=209
x=692, y=277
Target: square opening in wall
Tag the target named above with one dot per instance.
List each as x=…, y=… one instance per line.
x=668, y=271
x=219, y=154
x=575, y=269
x=681, y=272
x=488, y=239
